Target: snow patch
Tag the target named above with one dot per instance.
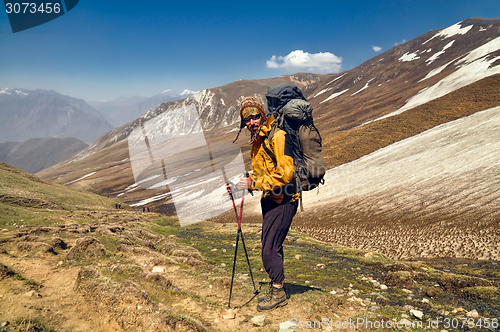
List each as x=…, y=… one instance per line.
x=322, y=91
x=436, y=55
x=83, y=177
x=150, y=200
x=408, y=57
x=435, y=71
x=187, y=92
x=336, y=79
x=334, y=95
x=455, y=29
x=366, y=86
x=133, y=186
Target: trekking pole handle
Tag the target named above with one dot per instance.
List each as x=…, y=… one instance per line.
x=247, y=175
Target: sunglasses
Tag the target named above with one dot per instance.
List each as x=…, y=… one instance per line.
x=251, y=117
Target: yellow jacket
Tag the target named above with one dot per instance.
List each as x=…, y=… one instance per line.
x=273, y=166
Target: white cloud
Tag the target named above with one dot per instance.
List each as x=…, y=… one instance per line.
x=376, y=48
x=323, y=62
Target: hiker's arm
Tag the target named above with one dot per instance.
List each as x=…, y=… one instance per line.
x=277, y=177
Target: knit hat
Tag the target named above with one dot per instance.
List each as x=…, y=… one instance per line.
x=251, y=106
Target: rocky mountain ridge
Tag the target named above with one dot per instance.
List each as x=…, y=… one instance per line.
x=125, y=109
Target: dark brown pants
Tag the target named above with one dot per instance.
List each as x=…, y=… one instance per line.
x=276, y=222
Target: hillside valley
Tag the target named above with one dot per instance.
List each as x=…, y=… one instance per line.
x=71, y=261
x=413, y=90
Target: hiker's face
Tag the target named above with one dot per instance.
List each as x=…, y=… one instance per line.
x=253, y=123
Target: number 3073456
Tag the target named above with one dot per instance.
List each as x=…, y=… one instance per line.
x=33, y=8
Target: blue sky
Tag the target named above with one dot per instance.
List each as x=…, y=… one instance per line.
x=102, y=50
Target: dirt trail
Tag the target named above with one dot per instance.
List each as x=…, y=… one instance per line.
x=51, y=297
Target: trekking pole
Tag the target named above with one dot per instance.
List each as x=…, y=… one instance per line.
x=229, y=313
x=255, y=291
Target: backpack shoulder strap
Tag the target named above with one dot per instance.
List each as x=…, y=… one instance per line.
x=274, y=127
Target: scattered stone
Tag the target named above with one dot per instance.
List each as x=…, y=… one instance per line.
x=158, y=269
x=320, y=266
x=259, y=320
x=443, y=312
x=333, y=292
x=407, y=291
x=425, y=300
x=297, y=256
x=228, y=313
x=32, y=294
x=431, y=292
x=375, y=283
x=285, y=325
x=407, y=307
x=369, y=255
x=417, y=314
x=223, y=264
x=374, y=308
x=383, y=287
x=473, y=314
x=4, y=324
x=404, y=316
x=404, y=322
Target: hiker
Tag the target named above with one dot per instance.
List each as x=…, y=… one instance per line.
x=143, y=209
x=273, y=173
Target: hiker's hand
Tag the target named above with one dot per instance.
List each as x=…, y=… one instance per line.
x=245, y=182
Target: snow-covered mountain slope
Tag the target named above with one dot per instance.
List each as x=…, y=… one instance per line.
x=411, y=74
x=434, y=194
x=123, y=109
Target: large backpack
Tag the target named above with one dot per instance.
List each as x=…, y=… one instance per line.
x=293, y=114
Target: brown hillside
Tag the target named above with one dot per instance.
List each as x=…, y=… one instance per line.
x=348, y=145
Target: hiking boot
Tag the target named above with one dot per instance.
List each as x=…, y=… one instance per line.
x=276, y=297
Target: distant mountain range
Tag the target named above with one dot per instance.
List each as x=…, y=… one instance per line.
x=26, y=114
x=126, y=109
x=37, y=154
